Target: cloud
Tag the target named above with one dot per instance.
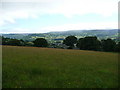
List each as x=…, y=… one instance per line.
x=65, y=7
x=81, y=7
x=16, y=30
x=29, y=1
x=82, y=26
x=10, y=10
x=2, y=23
x=65, y=27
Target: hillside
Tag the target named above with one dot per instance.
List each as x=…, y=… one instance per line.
x=32, y=67
x=50, y=36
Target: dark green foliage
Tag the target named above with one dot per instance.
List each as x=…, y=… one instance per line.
x=117, y=47
x=14, y=42
x=79, y=43
x=70, y=47
x=70, y=41
x=4, y=40
x=40, y=42
x=29, y=44
x=108, y=45
x=89, y=43
x=0, y=40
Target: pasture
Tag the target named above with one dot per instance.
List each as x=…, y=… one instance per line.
x=33, y=67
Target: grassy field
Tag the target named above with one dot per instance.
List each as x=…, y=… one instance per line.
x=32, y=67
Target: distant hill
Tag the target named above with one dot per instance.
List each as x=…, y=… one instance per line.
x=101, y=34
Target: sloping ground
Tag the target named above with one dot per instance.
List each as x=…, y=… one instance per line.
x=32, y=67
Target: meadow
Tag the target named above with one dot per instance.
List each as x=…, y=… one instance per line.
x=33, y=67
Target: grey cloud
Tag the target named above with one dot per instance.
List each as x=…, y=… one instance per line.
x=24, y=5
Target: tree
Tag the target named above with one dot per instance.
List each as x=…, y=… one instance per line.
x=5, y=40
x=70, y=41
x=117, y=47
x=108, y=45
x=89, y=43
x=80, y=43
x=0, y=40
x=14, y=42
x=22, y=42
x=40, y=42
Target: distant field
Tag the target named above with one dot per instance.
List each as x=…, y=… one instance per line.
x=32, y=67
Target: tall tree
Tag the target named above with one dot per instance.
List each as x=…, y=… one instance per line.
x=89, y=43
x=117, y=47
x=70, y=41
x=14, y=42
x=108, y=45
x=40, y=42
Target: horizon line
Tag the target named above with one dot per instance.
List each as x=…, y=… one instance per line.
x=52, y=31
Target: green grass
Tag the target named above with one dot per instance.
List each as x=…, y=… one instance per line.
x=32, y=67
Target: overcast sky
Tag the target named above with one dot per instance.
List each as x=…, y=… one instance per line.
x=38, y=16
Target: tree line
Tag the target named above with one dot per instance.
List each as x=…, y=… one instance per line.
x=86, y=43
x=92, y=43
